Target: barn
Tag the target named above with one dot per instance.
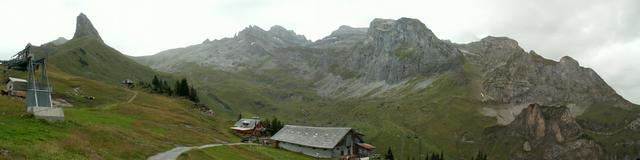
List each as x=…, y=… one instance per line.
x=322, y=142
x=15, y=86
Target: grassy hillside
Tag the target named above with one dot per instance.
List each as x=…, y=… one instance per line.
x=108, y=127
x=88, y=57
x=243, y=152
x=601, y=118
x=441, y=115
x=444, y=117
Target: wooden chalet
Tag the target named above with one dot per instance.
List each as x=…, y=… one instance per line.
x=249, y=127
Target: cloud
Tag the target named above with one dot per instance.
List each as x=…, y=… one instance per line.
x=594, y=32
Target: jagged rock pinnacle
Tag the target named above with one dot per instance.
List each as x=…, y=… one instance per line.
x=85, y=28
x=566, y=60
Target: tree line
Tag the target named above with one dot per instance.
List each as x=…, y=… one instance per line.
x=180, y=89
x=275, y=125
x=435, y=156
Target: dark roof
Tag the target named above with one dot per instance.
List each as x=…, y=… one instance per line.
x=367, y=146
x=320, y=137
x=245, y=124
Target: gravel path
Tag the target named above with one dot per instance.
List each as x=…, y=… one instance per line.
x=135, y=93
x=175, y=152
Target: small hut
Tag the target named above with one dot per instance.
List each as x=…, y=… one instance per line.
x=15, y=86
x=127, y=83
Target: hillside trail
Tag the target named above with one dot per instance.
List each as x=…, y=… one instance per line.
x=135, y=93
x=175, y=152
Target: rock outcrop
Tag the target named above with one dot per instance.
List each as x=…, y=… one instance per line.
x=395, y=50
x=513, y=76
x=546, y=132
x=343, y=37
x=85, y=28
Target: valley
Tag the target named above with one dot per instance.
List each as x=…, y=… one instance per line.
x=395, y=82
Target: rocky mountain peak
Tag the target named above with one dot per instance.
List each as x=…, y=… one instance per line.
x=395, y=50
x=501, y=42
x=344, y=27
x=287, y=35
x=566, y=60
x=404, y=30
x=251, y=31
x=206, y=41
x=277, y=28
x=85, y=28
x=276, y=34
x=345, y=30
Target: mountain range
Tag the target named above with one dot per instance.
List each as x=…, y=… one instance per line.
x=398, y=63
x=392, y=79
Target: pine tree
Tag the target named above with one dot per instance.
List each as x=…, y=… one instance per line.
x=163, y=88
x=193, y=95
x=274, y=124
x=177, y=88
x=389, y=155
x=155, y=83
x=168, y=88
x=481, y=156
x=239, y=116
x=266, y=123
x=184, y=88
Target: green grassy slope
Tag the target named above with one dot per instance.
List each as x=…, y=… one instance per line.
x=107, y=127
x=441, y=114
x=446, y=116
x=602, y=118
x=88, y=57
x=241, y=153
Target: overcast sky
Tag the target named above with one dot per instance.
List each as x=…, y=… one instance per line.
x=600, y=34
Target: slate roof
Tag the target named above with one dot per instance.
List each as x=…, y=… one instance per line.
x=319, y=137
x=245, y=124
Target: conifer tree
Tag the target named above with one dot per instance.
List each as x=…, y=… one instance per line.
x=177, y=88
x=167, y=88
x=184, y=88
x=389, y=155
x=193, y=95
x=155, y=83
